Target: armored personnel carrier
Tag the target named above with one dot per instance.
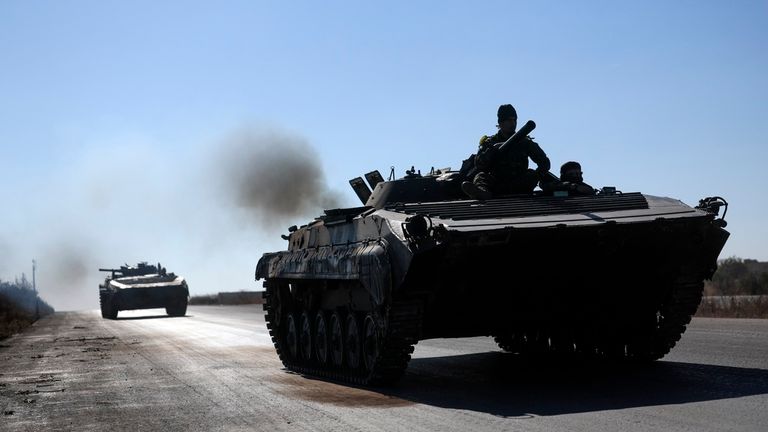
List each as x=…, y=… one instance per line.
x=142, y=286
x=610, y=275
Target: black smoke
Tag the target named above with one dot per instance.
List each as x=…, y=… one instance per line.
x=275, y=176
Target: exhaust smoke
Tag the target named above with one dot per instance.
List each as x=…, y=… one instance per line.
x=275, y=176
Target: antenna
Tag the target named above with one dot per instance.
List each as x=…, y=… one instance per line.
x=34, y=288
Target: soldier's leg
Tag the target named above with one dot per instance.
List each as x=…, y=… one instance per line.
x=525, y=183
x=484, y=180
x=480, y=186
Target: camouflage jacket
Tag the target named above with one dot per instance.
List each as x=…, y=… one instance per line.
x=514, y=161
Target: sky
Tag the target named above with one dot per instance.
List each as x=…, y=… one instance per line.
x=195, y=133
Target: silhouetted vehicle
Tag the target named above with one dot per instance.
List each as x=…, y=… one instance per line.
x=611, y=275
x=142, y=287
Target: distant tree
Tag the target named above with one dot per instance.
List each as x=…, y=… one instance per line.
x=23, y=282
x=19, y=296
x=735, y=276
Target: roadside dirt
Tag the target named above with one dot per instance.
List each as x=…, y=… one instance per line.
x=76, y=371
x=48, y=365
x=216, y=370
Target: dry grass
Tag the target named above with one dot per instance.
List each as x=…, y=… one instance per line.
x=13, y=319
x=228, y=298
x=207, y=300
x=733, y=307
x=19, y=307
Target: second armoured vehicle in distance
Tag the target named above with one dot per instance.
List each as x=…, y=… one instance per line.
x=142, y=286
x=611, y=275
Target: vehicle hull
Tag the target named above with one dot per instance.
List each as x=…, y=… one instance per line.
x=144, y=292
x=614, y=276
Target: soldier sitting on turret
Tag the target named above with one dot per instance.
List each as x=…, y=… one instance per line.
x=507, y=172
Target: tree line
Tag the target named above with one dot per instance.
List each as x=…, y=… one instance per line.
x=736, y=276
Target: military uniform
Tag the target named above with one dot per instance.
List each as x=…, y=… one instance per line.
x=508, y=172
x=571, y=180
x=572, y=187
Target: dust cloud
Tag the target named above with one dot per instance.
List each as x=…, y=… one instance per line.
x=5, y=255
x=206, y=210
x=274, y=175
x=66, y=270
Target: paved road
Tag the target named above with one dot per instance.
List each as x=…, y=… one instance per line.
x=215, y=369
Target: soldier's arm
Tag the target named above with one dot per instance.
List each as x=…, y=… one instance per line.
x=585, y=189
x=538, y=156
x=484, y=153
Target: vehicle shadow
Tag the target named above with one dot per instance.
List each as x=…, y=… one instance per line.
x=146, y=317
x=504, y=385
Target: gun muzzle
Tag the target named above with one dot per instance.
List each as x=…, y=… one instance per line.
x=527, y=128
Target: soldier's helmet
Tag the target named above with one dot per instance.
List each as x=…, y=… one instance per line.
x=505, y=112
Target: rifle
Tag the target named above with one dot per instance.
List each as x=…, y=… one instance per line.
x=518, y=136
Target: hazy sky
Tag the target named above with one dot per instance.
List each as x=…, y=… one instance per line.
x=135, y=130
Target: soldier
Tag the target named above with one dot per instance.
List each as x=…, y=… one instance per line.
x=507, y=173
x=571, y=177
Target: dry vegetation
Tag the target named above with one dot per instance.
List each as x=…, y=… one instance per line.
x=228, y=298
x=206, y=300
x=739, y=289
x=19, y=307
x=734, y=307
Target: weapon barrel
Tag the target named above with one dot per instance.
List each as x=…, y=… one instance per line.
x=527, y=128
x=109, y=270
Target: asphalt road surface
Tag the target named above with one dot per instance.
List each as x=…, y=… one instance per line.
x=216, y=369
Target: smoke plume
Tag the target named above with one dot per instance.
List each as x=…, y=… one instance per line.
x=275, y=176
x=67, y=276
x=207, y=210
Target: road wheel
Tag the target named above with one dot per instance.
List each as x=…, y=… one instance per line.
x=370, y=343
x=511, y=342
x=640, y=347
x=562, y=343
x=292, y=336
x=337, y=340
x=108, y=307
x=353, y=345
x=179, y=308
x=305, y=336
x=104, y=304
x=321, y=339
x=277, y=302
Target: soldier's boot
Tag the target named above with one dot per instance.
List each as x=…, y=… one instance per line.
x=475, y=192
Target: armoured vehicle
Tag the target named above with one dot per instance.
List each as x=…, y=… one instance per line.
x=142, y=286
x=610, y=275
